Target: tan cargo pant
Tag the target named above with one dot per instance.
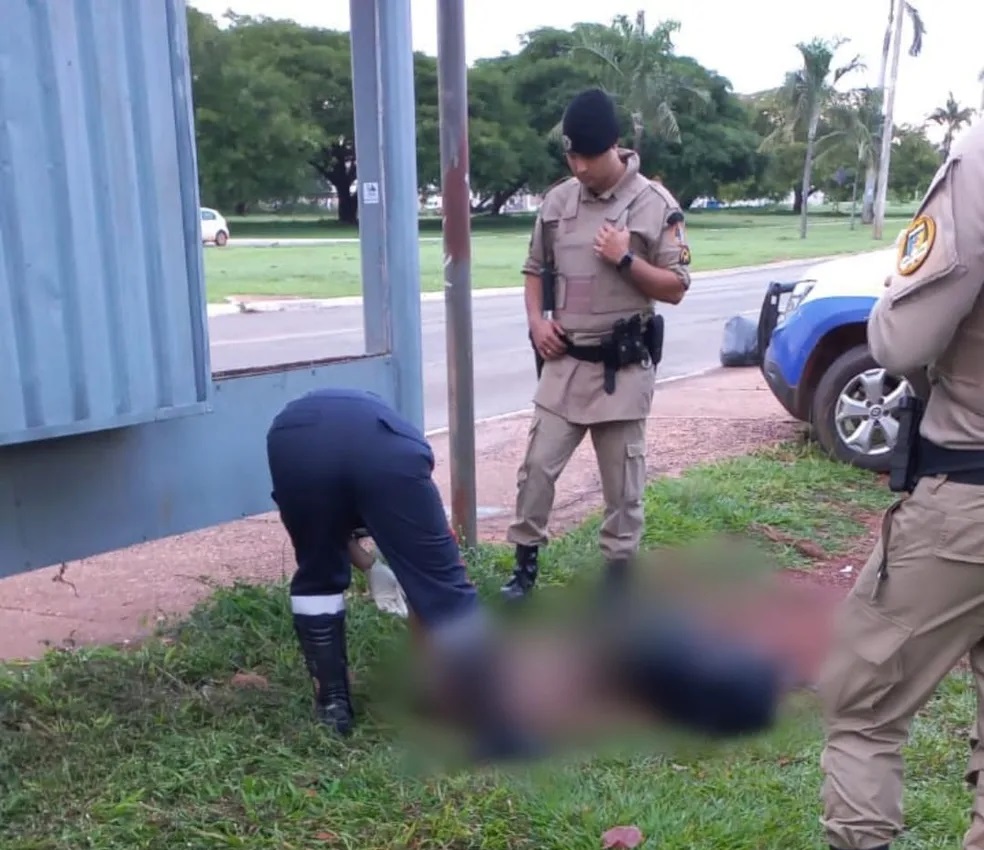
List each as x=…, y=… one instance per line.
x=904, y=626
x=620, y=448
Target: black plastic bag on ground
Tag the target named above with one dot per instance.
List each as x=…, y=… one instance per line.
x=740, y=344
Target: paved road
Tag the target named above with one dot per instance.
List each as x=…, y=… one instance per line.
x=504, y=371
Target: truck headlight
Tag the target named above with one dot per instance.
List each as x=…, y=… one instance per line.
x=800, y=291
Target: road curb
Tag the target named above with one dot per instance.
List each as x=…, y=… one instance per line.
x=271, y=305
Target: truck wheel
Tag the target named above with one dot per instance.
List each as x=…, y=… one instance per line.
x=855, y=410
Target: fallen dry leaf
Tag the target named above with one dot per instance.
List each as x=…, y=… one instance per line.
x=804, y=547
x=325, y=836
x=622, y=838
x=249, y=680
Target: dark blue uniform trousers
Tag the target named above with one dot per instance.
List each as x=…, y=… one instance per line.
x=343, y=459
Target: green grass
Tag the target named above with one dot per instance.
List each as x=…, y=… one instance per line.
x=718, y=239
x=151, y=746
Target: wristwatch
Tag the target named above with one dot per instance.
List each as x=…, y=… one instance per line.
x=626, y=261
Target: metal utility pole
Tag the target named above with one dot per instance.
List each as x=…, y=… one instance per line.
x=452, y=87
x=888, y=127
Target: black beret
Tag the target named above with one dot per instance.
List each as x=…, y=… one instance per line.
x=590, y=125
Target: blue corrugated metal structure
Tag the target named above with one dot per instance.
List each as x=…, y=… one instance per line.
x=101, y=278
x=113, y=430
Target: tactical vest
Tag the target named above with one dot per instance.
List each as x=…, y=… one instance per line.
x=592, y=294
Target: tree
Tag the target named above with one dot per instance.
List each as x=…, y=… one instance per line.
x=888, y=124
x=915, y=48
x=253, y=139
x=506, y=153
x=915, y=161
x=855, y=123
x=805, y=95
x=718, y=145
x=952, y=117
x=635, y=65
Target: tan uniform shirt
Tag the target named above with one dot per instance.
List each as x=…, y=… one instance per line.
x=592, y=294
x=931, y=314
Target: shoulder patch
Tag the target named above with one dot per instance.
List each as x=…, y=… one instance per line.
x=915, y=244
x=663, y=192
x=677, y=229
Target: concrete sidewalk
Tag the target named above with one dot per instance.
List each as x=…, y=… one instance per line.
x=121, y=595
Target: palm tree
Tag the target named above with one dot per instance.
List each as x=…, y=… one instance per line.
x=915, y=48
x=953, y=117
x=805, y=95
x=856, y=119
x=633, y=65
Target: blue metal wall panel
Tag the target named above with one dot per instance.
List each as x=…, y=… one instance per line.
x=102, y=300
x=70, y=499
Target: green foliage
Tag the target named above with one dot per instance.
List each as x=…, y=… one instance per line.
x=275, y=119
x=914, y=162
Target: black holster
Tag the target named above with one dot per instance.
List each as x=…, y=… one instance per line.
x=915, y=457
x=903, y=471
x=629, y=342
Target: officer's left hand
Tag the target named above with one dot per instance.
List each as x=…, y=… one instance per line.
x=611, y=244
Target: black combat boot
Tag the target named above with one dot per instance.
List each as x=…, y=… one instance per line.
x=322, y=639
x=524, y=575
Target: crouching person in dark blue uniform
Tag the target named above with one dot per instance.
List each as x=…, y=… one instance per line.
x=342, y=461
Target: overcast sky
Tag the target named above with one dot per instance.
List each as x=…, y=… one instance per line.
x=951, y=60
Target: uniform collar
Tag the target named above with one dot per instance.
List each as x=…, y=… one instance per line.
x=631, y=160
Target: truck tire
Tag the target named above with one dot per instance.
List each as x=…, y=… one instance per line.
x=842, y=380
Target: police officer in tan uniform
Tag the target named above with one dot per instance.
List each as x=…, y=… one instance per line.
x=617, y=244
x=918, y=605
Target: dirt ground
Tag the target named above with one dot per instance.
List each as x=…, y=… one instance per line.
x=121, y=596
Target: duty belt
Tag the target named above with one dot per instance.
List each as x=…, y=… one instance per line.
x=631, y=341
x=914, y=457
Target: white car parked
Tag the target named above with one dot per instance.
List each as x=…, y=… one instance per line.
x=215, y=229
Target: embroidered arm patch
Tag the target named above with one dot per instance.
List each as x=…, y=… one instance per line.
x=916, y=244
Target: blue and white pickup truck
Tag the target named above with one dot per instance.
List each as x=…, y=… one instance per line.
x=815, y=358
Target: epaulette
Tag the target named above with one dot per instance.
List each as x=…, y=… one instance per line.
x=557, y=184
x=657, y=186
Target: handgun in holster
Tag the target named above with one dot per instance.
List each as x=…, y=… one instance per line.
x=626, y=345
x=904, y=465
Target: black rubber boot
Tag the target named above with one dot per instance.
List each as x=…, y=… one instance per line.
x=524, y=575
x=322, y=640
